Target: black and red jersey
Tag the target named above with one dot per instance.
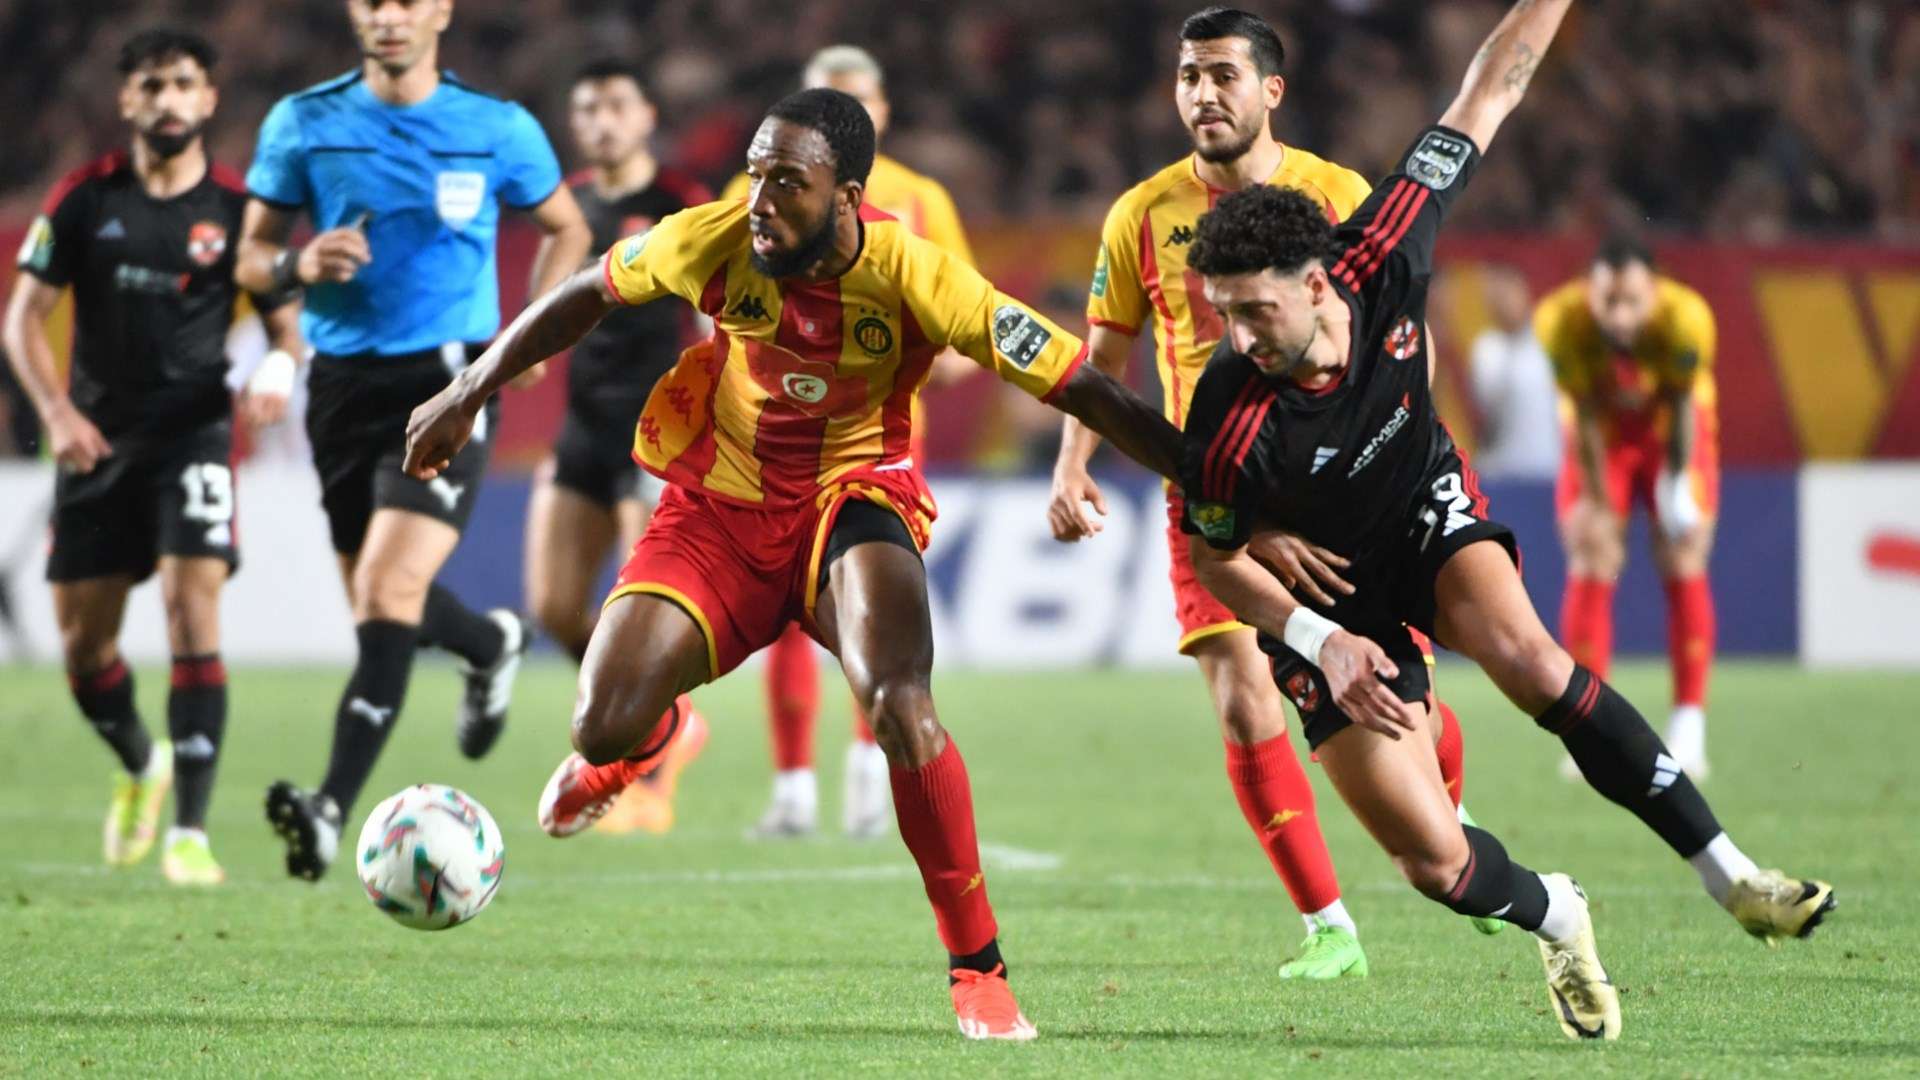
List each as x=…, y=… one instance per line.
x=613, y=370
x=153, y=294
x=1347, y=466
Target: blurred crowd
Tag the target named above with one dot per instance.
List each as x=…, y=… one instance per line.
x=1740, y=119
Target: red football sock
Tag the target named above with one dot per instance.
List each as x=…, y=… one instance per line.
x=1586, y=623
x=862, y=731
x=1452, y=752
x=934, y=806
x=1278, y=803
x=1690, y=637
x=793, y=698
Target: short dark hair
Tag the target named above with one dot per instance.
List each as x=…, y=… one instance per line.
x=841, y=120
x=1621, y=250
x=1260, y=228
x=161, y=43
x=1214, y=23
x=611, y=67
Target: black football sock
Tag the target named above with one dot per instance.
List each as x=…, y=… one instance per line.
x=985, y=960
x=1624, y=760
x=196, y=720
x=105, y=698
x=448, y=624
x=1495, y=886
x=369, y=707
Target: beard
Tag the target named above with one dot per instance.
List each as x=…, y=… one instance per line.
x=170, y=144
x=1243, y=137
x=810, y=250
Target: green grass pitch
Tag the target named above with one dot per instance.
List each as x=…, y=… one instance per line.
x=1141, y=922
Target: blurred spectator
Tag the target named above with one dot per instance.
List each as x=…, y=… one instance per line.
x=1749, y=118
x=1513, y=389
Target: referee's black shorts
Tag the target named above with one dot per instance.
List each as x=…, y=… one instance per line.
x=357, y=410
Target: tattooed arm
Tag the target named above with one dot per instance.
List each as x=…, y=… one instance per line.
x=1501, y=70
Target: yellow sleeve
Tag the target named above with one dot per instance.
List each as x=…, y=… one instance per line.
x=959, y=308
x=1694, y=339
x=1117, y=296
x=677, y=255
x=942, y=221
x=1551, y=327
x=736, y=188
x=1345, y=189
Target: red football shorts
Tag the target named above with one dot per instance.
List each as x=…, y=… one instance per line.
x=1635, y=455
x=743, y=573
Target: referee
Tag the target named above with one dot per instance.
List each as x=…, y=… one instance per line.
x=402, y=169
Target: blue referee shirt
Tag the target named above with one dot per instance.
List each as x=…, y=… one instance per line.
x=431, y=177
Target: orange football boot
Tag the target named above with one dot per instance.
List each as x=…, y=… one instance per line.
x=984, y=1003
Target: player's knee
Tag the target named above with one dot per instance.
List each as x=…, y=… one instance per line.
x=1436, y=868
x=565, y=622
x=904, y=723
x=395, y=593
x=86, y=650
x=1532, y=670
x=1250, y=713
x=599, y=736
x=193, y=623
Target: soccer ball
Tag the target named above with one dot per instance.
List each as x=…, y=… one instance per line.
x=430, y=857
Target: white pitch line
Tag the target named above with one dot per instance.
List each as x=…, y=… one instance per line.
x=1008, y=857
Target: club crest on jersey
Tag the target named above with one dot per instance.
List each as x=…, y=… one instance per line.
x=874, y=336
x=206, y=242
x=1302, y=692
x=1404, y=339
x=1214, y=520
x=458, y=197
x=1437, y=159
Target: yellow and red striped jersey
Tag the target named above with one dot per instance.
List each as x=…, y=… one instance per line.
x=806, y=383
x=1674, y=352
x=1142, y=273
x=920, y=202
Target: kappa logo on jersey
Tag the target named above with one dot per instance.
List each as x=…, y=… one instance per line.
x=1214, y=520
x=1302, y=691
x=458, y=197
x=1404, y=339
x=1401, y=414
x=36, y=249
x=1322, y=455
x=1437, y=161
x=631, y=250
x=206, y=242
x=1101, y=271
x=1179, y=237
x=873, y=335
x=1018, y=336
x=749, y=307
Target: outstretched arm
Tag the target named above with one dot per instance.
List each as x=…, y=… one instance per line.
x=555, y=321
x=1117, y=414
x=1498, y=77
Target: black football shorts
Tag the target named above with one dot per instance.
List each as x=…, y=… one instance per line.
x=357, y=410
x=174, y=497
